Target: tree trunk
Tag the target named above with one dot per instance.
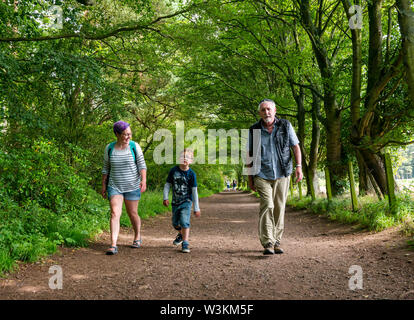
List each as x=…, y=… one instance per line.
x=309, y=168
x=375, y=43
x=333, y=150
x=364, y=185
x=316, y=133
x=333, y=114
x=375, y=163
x=367, y=127
x=406, y=21
x=301, y=116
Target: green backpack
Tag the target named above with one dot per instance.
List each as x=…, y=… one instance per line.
x=111, y=147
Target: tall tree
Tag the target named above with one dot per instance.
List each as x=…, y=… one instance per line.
x=316, y=33
x=406, y=21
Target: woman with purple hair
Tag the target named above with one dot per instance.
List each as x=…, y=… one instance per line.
x=124, y=177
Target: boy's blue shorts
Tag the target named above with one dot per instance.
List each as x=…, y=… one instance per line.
x=181, y=215
x=132, y=195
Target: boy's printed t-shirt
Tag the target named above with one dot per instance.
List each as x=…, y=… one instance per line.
x=182, y=183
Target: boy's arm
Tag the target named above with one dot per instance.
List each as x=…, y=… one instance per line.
x=166, y=191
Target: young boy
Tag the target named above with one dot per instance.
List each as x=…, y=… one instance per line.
x=184, y=191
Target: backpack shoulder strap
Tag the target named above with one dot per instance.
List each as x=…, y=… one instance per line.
x=133, y=149
x=110, y=148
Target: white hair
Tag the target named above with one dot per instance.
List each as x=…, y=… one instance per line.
x=268, y=101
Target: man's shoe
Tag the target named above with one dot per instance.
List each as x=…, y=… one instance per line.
x=178, y=239
x=185, y=247
x=268, y=249
x=278, y=249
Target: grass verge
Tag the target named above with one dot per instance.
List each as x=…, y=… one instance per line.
x=372, y=214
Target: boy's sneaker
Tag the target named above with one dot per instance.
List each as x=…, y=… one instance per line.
x=178, y=239
x=185, y=247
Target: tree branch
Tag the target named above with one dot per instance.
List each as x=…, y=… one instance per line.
x=395, y=142
x=96, y=36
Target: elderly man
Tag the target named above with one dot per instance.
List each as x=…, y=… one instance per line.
x=273, y=164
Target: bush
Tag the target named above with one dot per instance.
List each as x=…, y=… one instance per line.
x=45, y=204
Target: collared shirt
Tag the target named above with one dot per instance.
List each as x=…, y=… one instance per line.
x=270, y=168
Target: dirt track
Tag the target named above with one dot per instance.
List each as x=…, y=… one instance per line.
x=226, y=261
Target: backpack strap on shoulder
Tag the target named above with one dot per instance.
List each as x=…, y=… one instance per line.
x=131, y=145
x=110, y=148
x=133, y=150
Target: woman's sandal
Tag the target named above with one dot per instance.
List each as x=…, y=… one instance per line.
x=136, y=244
x=112, y=252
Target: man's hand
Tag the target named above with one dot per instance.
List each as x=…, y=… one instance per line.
x=197, y=213
x=251, y=185
x=298, y=174
x=166, y=203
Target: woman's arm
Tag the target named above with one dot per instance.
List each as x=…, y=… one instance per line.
x=143, y=184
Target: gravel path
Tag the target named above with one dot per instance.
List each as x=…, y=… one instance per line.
x=226, y=261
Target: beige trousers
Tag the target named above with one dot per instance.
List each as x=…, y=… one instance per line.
x=273, y=195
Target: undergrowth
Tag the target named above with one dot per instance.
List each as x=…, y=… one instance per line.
x=372, y=214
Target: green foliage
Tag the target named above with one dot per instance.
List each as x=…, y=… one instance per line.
x=209, y=178
x=39, y=173
x=406, y=163
x=45, y=204
x=372, y=214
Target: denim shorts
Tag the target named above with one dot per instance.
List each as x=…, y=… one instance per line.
x=132, y=195
x=181, y=215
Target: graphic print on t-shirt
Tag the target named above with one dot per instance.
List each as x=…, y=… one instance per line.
x=180, y=187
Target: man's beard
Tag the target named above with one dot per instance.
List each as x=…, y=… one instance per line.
x=268, y=120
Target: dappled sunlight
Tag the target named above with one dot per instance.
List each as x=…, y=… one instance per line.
x=8, y=283
x=157, y=239
x=32, y=289
x=79, y=277
x=126, y=237
x=237, y=221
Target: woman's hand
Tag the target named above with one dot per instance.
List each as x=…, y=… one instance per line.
x=103, y=191
x=166, y=203
x=143, y=185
